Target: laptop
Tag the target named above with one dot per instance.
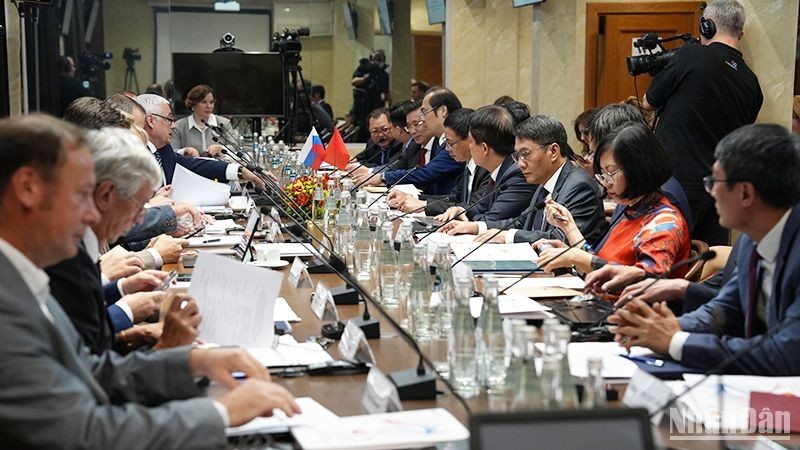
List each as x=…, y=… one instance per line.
x=588, y=313
x=595, y=429
x=249, y=231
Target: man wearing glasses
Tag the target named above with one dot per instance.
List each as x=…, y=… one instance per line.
x=381, y=146
x=159, y=123
x=542, y=154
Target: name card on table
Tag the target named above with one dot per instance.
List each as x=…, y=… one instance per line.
x=380, y=395
x=322, y=304
x=354, y=345
x=647, y=391
x=298, y=274
x=274, y=232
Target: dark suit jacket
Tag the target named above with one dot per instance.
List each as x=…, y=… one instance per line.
x=580, y=195
x=209, y=168
x=56, y=394
x=436, y=178
x=512, y=195
x=717, y=328
x=369, y=157
x=157, y=220
x=438, y=204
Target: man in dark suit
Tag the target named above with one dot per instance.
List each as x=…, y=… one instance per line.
x=318, y=97
x=756, y=190
x=127, y=176
x=53, y=392
x=159, y=123
x=491, y=135
x=381, y=147
x=470, y=186
x=435, y=171
x=543, y=156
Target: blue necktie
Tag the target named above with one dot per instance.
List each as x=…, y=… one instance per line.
x=465, y=193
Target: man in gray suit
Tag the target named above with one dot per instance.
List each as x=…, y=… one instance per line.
x=53, y=393
x=542, y=153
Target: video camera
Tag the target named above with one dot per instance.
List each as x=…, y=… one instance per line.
x=131, y=55
x=288, y=41
x=653, y=63
x=92, y=62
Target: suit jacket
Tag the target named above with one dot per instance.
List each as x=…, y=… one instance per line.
x=369, y=157
x=717, y=328
x=56, y=394
x=437, y=177
x=438, y=204
x=512, y=195
x=76, y=284
x=580, y=195
x=209, y=168
x=156, y=221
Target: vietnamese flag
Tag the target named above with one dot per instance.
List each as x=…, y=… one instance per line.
x=336, y=153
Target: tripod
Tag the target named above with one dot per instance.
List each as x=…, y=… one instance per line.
x=293, y=102
x=130, y=77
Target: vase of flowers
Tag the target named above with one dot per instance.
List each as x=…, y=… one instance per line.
x=301, y=190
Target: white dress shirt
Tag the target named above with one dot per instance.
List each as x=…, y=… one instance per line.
x=768, y=249
x=34, y=277
x=92, y=245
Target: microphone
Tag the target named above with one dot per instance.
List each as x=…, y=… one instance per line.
x=421, y=208
x=531, y=272
x=469, y=208
x=366, y=161
x=389, y=188
x=525, y=213
x=394, y=159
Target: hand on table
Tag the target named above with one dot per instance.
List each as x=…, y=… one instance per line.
x=612, y=278
x=146, y=280
x=459, y=227
x=638, y=324
x=450, y=213
x=659, y=291
x=168, y=247
x=248, y=175
x=256, y=398
x=190, y=152
x=396, y=199
x=489, y=235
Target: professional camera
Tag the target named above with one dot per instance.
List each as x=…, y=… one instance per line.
x=288, y=41
x=92, y=62
x=131, y=55
x=228, y=40
x=653, y=63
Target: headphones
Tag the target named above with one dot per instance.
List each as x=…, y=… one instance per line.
x=707, y=26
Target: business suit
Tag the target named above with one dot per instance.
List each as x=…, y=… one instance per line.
x=55, y=394
x=209, y=168
x=578, y=193
x=370, y=158
x=718, y=327
x=438, y=204
x=511, y=196
x=437, y=177
x=156, y=221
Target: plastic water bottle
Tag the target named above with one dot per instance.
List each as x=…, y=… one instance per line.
x=422, y=316
x=492, y=341
x=461, y=343
x=362, y=252
x=388, y=272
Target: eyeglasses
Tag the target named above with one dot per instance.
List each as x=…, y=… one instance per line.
x=171, y=120
x=422, y=111
x=449, y=145
x=379, y=131
x=414, y=126
x=523, y=155
x=708, y=182
x=607, y=178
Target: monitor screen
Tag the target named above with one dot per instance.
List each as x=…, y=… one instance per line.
x=436, y=11
x=520, y=3
x=244, y=84
x=573, y=430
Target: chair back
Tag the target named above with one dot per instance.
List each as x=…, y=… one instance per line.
x=714, y=265
x=698, y=248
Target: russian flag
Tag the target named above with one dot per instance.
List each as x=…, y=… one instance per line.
x=313, y=152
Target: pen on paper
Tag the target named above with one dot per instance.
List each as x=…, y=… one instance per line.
x=208, y=241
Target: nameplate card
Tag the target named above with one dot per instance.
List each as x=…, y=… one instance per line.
x=646, y=391
x=298, y=274
x=275, y=215
x=380, y=395
x=322, y=304
x=354, y=346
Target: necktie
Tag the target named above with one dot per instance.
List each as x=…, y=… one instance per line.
x=157, y=155
x=538, y=216
x=422, y=156
x=465, y=192
x=754, y=291
x=491, y=184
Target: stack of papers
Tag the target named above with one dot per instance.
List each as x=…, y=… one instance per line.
x=288, y=249
x=616, y=367
x=312, y=412
x=220, y=226
x=289, y=353
x=543, y=287
x=444, y=238
x=407, y=429
x=189, y=187
x=517, y=257
x=513, y=307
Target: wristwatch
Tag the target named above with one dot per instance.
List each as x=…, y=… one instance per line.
x=383, y=177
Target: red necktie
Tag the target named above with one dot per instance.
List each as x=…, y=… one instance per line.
x=422, y=156
x=491, y=185
x=754, y=286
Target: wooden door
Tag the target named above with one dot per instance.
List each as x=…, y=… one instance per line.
x=610, y=31
x=428, y=58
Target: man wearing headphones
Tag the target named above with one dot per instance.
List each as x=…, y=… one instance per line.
x=705, y=92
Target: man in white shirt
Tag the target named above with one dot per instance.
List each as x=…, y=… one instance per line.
x=53, y=394
x=755, y=188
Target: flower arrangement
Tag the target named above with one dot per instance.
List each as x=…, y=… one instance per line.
x=301, y=190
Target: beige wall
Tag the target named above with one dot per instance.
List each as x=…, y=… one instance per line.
x=129, y=23
x=543, y=62
x=419, y=18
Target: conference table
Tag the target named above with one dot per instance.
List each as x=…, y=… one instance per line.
x=342, y=394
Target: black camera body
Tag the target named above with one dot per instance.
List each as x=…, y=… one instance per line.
x=92, y=62
x=131, y=54
x=654, y=63
x=288, y=41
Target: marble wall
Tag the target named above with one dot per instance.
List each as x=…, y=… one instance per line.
x=494, y=49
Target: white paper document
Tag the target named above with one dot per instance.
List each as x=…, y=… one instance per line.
x=406, y=429
x=614, y=365
x=289, y=352
x=513, y=306
x=312, y=412
x=285, y=312
x=220, y=226
x=214, y=241
x=444, y=238
x=237, y=301
x=409, y=189
x=189, y=187
x=543, y=287
x=494, y=252
x=288, y=249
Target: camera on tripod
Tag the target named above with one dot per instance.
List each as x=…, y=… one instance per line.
x=93, y=62
x=131, y=55
x=288, y=41
x=653, y=63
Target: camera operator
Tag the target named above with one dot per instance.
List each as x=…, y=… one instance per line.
x=370, y=88
x=705, y=92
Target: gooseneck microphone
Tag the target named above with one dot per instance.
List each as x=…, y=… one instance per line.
x=389, y=188
x=531, y=272
x=386, y=166
x=469, y=208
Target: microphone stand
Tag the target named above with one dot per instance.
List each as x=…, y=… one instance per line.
x=361, y=164
x=469, y=208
